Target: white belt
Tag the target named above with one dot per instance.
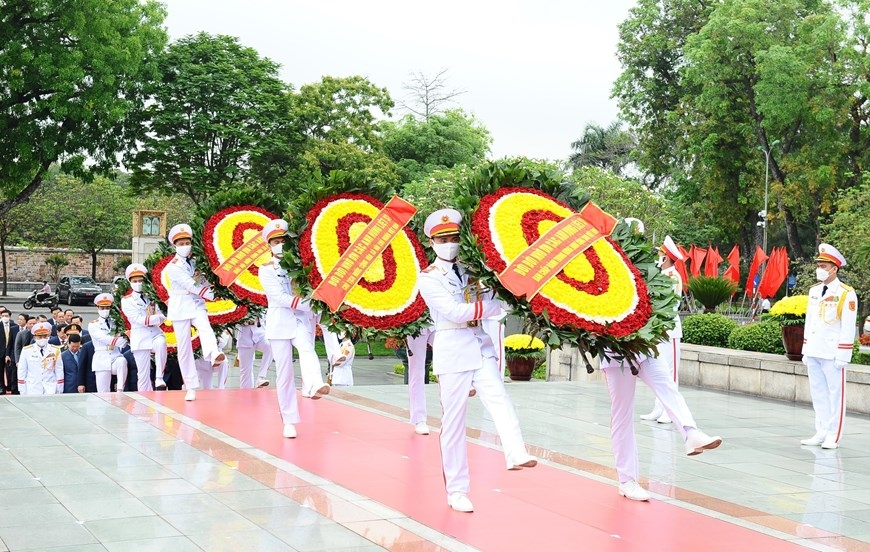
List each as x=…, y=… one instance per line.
x=179, y=293
x=448, y=325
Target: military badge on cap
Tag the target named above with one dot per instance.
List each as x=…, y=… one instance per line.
x=829, y=253
x=134, y=270
x=274, y=229
x=442, y=222
x=73, y=329
x=41, y=329
x=180, y=231
x=103, y=300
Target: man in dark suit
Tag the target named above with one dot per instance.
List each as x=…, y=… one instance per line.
x=87, y=380
x=73, y=358
x=86, y=337
x=59, y=338
x=8, y=333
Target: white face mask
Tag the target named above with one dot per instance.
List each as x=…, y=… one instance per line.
x=183, y=250
x=103, y=313
x=137, y=286
x=660, y=262
x=4, y=319
x=446, y=251
x=41, y=342
x=821, y=274
x=277, y=249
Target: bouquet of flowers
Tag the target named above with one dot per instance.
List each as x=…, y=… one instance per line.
x=523, y=346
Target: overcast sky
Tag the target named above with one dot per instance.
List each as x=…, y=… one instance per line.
x=535, y=72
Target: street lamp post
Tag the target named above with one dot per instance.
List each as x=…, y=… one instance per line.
x=763, y=214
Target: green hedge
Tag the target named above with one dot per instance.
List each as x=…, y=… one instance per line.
x=762, y=337
x=708, y=329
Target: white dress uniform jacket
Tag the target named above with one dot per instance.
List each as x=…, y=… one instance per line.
x=107, y=347
x=829, y=330
x=144, y=326
x=186, y=296
x=458, y=347
x=286, y=311
x=40, y=371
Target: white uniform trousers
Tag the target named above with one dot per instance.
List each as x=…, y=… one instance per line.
x=454, y=402
x=621, y=385
x=669, y=353
x=309, y=364
x=206, y=370
x=104, y=377
x=288, y=404
x=143, y=363
x=246, y=363
x=417, y=375
x=207, y=342
x=828, y=391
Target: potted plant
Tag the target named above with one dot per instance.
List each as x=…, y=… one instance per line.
x=790, y=313
x=523, y=353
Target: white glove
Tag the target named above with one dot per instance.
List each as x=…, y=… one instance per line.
x=840, y=364
x=208, y=295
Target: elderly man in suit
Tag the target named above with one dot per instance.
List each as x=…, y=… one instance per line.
x=288, y=324
x=8, y=333
x=73, y=358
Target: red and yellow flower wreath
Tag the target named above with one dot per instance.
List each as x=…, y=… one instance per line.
x=386, y=297
x=600, y=291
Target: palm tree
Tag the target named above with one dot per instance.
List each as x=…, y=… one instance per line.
x=607, y=148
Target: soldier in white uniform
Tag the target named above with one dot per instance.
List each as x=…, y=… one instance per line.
x=829, y=335
x=657, y=373
x=464, y=356
x=669, y=351
x=186, y=307
x=146, y=337
x=251, y=338
x=206, y=370
x=40, y=369
x=417, y=379
x=289, y=323
x=108, y=359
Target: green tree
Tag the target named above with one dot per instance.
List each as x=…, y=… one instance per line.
x=215, y=105
x=434, y=191
x=710, y=87
x=326, y=126
x=90, y=215
x=624, y=198
x=72, y=73
x=849, y=232
x=605, y=148
x=441, y=141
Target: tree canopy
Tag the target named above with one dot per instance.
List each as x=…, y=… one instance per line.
x=71, y=73
x=214, y=106
x=443, y=141
x=606, y=148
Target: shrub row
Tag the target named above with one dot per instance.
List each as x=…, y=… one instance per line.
x=716, y=330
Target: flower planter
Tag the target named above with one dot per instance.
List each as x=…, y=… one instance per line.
x=520, y=368
x=793, y=341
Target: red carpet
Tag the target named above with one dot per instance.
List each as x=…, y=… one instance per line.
x=534, y=509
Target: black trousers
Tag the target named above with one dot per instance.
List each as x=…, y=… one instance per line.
x=11, y=370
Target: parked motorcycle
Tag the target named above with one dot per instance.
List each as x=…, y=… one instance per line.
x=48, y=302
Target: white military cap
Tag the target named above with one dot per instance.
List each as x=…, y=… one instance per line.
x=134, y=270
x=638, y=224
x=104, y=300
x=670, y=249
x=180, y=231
x=41, y=328
x=274, y=228
x=442, y=222
x=829, y=253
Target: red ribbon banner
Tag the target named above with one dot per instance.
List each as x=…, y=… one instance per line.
x=551, y=252
x=241, y=259
x=363, y=252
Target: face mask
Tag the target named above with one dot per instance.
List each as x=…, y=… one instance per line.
x=42, y=342
x=277, y=250
x=183, y=250
x=821, y=274
x=137, y=286
x=103, y=313
x=446, y=251
x=660, y=262
x=4, y=319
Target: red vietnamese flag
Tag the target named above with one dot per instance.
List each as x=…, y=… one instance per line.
x=733, y=271
x=713, y=260
x=760, y=257
x=681, y=266
x=774, y=274
x=697, y=257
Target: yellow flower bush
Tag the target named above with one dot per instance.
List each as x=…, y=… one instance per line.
x=790, y=311
x=523, y=345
